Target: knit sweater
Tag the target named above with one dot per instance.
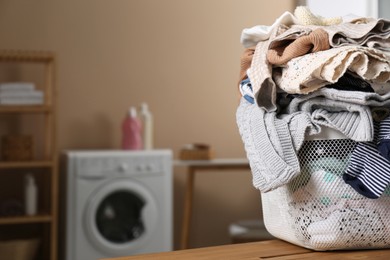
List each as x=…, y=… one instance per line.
x=271, y=144
x=308, y=73
x=282, y=51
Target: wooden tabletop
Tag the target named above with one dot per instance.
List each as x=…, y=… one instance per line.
x=271, y=250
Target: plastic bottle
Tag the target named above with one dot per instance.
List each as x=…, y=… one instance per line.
x=147, y=123
x=132, y=131
x=30, y=195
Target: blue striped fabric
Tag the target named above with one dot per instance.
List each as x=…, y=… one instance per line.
x=368, y=171
x=384, y=138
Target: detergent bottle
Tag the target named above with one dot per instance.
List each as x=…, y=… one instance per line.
x=147, y=125
x=30, y=195
x=132, y=131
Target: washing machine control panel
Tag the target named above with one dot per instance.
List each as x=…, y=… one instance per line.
x=140, y=167
x=112, y=166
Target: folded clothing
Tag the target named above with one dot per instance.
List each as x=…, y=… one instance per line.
x=17, y=86
x=21, y=101
x=21, y=94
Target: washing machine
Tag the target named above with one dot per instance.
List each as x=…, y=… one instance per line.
x=117, y=203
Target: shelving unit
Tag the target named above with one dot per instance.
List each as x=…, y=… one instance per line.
x=43, y=166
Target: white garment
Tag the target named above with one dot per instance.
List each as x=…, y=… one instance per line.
x=251, y=36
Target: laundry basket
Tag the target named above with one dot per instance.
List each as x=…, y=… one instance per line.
x=318, y=210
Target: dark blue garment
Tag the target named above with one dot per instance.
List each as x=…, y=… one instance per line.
x=368, y=171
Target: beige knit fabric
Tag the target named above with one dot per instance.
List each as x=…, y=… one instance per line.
x=364, y=31
x=310, y=72
x=306, y=17
x=281, y=52
x=260, y=73
x=370, y=32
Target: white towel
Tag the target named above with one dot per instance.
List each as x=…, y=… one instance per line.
x=17, y=86
x=21, y=94
x=21, y=97
x=21, y=101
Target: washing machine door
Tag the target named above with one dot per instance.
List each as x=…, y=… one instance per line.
x=120, y=217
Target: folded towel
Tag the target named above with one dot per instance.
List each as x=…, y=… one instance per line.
x=22, y=100
x=17, y=86
x=21, y=94
x=21, y=97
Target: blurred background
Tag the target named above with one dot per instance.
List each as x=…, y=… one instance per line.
x=182, y=57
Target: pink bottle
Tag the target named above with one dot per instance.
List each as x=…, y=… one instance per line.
x=132, y=131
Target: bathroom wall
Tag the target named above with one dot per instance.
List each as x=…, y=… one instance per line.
x=180, y=56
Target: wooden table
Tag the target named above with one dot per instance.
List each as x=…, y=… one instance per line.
x=202, y=165
x=271, y=250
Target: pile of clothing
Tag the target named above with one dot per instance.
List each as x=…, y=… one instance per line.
x=305, y=73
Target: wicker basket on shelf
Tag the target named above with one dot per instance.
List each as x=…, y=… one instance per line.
x=23, y=249
x=16, y=148
x=197, y=152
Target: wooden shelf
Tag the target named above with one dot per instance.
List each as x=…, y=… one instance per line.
x=5, y=109
x=48, y=184
x=26, y=56
x=25, y=219
x=26, y=164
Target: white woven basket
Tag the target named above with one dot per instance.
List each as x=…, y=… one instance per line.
x=317, y=210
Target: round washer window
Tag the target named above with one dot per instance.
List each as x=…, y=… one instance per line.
x=118, y=217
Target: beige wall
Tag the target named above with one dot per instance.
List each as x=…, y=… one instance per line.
x=180, y=56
